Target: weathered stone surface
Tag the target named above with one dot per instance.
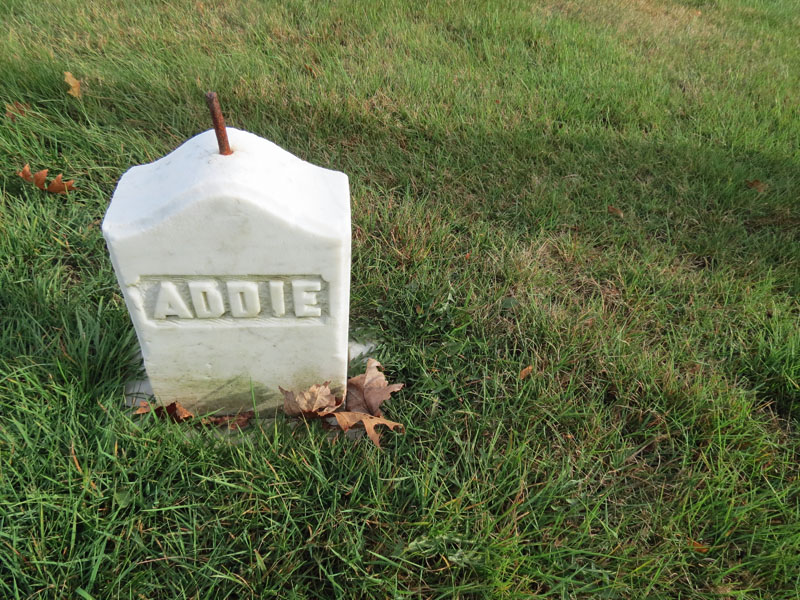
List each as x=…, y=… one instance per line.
x=235, y=270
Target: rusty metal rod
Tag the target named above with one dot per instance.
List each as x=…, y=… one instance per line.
x=219, y=123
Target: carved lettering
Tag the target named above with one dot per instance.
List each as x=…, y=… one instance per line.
x=243, y=296
x=276, y=298
x=305, y=298
x=169, y=303
x=264, y=299
x=206, y=299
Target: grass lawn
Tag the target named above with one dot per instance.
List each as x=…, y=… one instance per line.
x=653, y=452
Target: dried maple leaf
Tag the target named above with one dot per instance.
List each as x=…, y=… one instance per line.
x=347, y=420
x=613, y=210
x=525, y=372
x=74, y=84
x=317, y=401
x=366, y=392
x=17, y=109
x=57, y=186
x=39, y=179
x=755, y=184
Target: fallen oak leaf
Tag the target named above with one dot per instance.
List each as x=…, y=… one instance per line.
x=315, y=402
x=74, y=84
x=39, y=179
x=366, y=392
x=57, y=186
x=347, y=420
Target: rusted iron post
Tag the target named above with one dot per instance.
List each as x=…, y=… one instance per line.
x=219, y=123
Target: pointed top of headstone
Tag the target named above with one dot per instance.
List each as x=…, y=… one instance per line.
x=299, y=193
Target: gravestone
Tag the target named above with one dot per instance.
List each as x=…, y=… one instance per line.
x=235, y=270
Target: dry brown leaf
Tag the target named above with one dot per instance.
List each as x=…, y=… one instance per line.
x=26, y=173
x=613, y=210
x=347, y=420
x=57, y=186
x=366, y=392
x=317, y=401
x=174, y=411
x=74, y=84
x=232, y=422
x=698, y=547
x=177, y=413
x=17, y=109
x=525, y=372
x=39, y=179
x=755, y=184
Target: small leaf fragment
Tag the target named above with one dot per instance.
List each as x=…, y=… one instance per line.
x=613, y=210
x=525, y=372
x=74, y=84
x=17, y=109
x=755, y=184
x=57, y=186
x=39, y=179
x=173, y=411
x=232, y=422
x=368, y=391
x=177, y=413
x=26, y=173
x=698, y=547
x=315, y=402
x=347, y=420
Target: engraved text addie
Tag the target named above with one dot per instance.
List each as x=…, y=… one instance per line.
x=182, y=298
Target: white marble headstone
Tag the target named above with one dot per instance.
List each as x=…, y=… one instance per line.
x=235, y=270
